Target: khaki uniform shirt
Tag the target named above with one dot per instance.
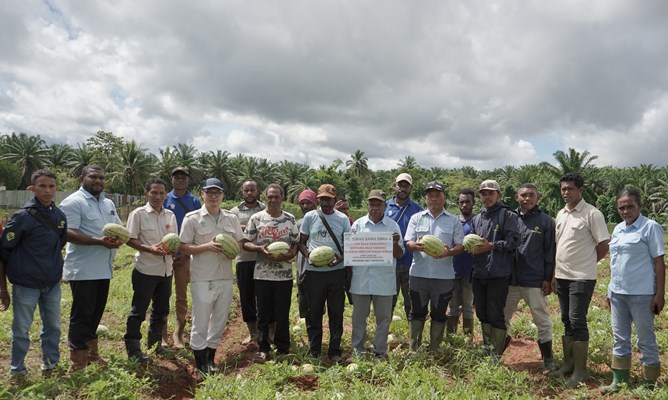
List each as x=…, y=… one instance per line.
x=149, y=226
x=579, y=231
x=200, y=227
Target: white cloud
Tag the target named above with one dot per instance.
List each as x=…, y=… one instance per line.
x=477, y=83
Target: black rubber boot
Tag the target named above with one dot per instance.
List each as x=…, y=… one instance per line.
x=133, y=348
x=546, y=356
x=202, y=363
x=210, y=356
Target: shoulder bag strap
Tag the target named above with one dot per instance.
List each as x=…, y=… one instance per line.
x=329, y=229
x=47, y=223
x=182, y=204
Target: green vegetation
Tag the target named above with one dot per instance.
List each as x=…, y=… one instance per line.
x=129, y=164
x=458, y=371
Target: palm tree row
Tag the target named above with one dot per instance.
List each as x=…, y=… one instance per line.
x=129, y=165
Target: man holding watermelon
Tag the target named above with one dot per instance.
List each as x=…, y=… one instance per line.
x=273, y=271
x=325, y=227
x=432, y=274
x=88, y=263
x=211, y=277
x=152, y=275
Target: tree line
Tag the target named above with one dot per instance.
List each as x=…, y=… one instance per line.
x=128, y=165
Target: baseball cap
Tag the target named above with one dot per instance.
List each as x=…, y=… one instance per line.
x=404, y=177
x=434, y=185
x=181, y=170
x=377, y=194
x=490, y=184
x=309, y=195
x=212, y=183
x=327, y=190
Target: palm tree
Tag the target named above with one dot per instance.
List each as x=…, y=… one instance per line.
x=81, y=156
x=358, y=163
x=135, y=166
x=294, y=178
x=60, y=156
x=573, y=162
x=29, y=153
x=165, y=163
x=407, y=164
x=218, y=164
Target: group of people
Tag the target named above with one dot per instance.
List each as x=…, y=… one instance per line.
x=524, y=255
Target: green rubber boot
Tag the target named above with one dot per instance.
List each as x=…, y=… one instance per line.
x=436, y=331
x=416, y=334
x=620, y=374
x=580, y=354
x=451, y=324
x=498, y=338
x=486, y=334
x=567, y=367
x=467, y=326
x=650, y=373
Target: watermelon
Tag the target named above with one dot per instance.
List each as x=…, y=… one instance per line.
x=102, y=330
x=116, y=231
x=278, y=248
x=170, y=243
x=230, y=246
x=321, y=256
x=433, y=246
x=471, y=241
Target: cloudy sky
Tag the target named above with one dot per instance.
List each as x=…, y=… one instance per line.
x=451, y=83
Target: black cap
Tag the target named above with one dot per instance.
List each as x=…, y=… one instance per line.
x=181, y=170
x=434, y=185
x=212, y=183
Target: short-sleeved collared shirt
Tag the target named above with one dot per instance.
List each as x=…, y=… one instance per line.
x=244, y=214
x=149, y=226
x=445, y=226
x=263, y=229
x=579, y=231
x=632, y=249
x=200, y=227
x=402, y=215
x=89, y=215
x=316, y=231
x=373, y=280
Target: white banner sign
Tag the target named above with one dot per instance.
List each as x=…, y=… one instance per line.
x=368, y=249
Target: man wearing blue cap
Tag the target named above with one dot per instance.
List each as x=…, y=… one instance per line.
x=211, y=277
x=432, y=278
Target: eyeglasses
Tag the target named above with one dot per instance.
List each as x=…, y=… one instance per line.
x=213, y=194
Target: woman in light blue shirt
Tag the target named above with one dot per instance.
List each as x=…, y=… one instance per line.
x=636, y=290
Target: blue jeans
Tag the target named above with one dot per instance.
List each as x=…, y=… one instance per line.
x=637, y=309
x=24, y=302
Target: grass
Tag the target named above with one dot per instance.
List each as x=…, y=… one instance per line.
x=458, y=371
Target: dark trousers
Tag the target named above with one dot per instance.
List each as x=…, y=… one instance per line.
x=489, y=298
x=325, y=287
x=148, y=289
x=301, y=300
x=403, y=287
x=429, y=296
x=89, y=298
x=273, y=304
x=574, y=298
x=246, y=285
